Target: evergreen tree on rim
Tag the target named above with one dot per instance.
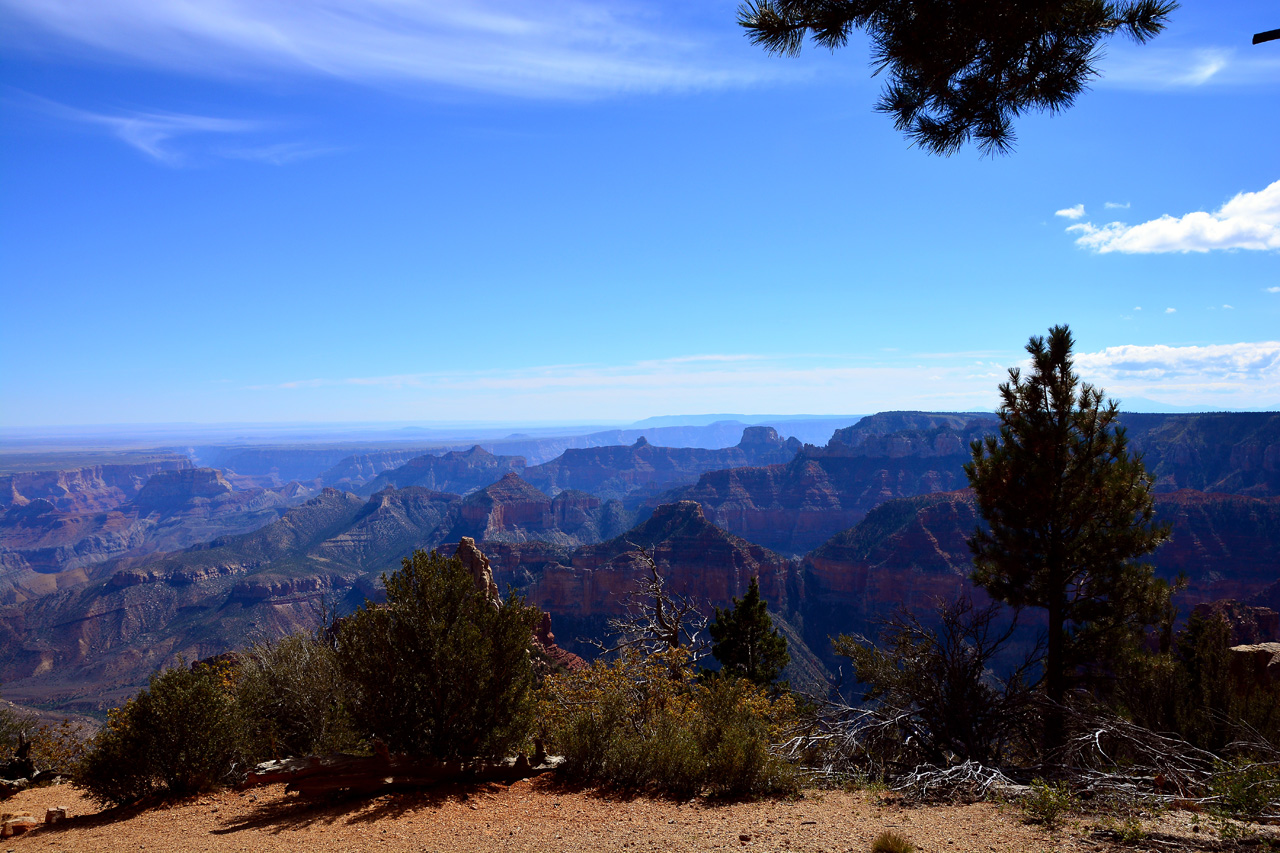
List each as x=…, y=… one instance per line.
x=745, y=641
x=963, y=70
x=1069, y=510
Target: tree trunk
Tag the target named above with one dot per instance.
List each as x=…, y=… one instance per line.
x=1055, y=678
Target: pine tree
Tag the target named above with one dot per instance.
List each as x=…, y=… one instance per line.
x=745, y=641
x=439, y=670
x=1069, y=511
x=962, y=70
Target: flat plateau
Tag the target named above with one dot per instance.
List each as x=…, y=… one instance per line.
x=540, y=815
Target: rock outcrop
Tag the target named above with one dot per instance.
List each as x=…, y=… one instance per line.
x=481, y=574
x=1248, y=624
x=1255, y=666
x=512, y=510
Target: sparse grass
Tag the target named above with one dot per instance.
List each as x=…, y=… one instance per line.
x=868, y=784
x=891, y=842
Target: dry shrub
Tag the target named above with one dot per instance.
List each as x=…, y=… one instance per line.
x=291, y=693
x=646, y=722
x=891, y=842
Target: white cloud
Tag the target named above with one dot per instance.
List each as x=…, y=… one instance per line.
x=1171, y=310
x=550, y=48
x=1241, y=376
x=1216, y=362
x=1250, y=220
x=1228, y=307
x=1115, y=205
x=1074, y=212
x=1137, y=308
x=1153, y=67
x=1273, y=290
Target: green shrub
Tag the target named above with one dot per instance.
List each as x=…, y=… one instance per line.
x=648, y=723
x=439, y=670
x=1244, y=790
x=291, y=695
x=891, y=842
x=179, y=736
x=1048, y=804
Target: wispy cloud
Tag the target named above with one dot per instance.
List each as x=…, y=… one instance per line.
x=279, y=154
x=549, y=48
x=791, y=382
x=1171, y=310
x=152, y=133
x=1273, y=290
x=1115, y=205
x=1249, y=221
x=1074, y=212
x=171, y=138
x=1152, y=67
x=1244, y=375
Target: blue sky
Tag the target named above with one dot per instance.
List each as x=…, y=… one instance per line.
x=360, y=210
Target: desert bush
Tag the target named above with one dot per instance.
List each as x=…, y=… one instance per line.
x=439, y=670
x=291, y=695
x=37, y=746
x=648, y=722
x=891, y=842
x=60, y=747
x=1048, y=803
x=180, y=735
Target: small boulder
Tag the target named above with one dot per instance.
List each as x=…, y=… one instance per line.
x=55, y=815
x=17, y=825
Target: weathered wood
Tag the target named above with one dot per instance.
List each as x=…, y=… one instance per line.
x=322, y=774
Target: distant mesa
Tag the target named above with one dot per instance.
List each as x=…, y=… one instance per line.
x=462, y=472
x=169, y=490
x=92, y=488
x=795, y=507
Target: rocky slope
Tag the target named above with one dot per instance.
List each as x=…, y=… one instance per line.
x=89, y=489
x=1233, y=452
x=43, y=549
x=586, y=587
x=77, y=645
x=912, y=551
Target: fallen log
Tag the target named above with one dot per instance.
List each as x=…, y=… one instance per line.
x=326, y=774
